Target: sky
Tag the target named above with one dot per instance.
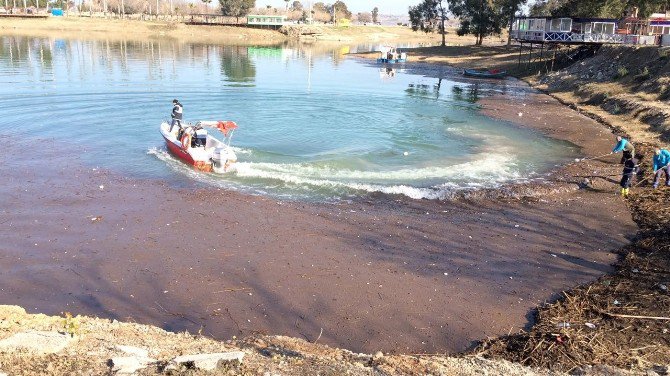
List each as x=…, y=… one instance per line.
x=395, y=7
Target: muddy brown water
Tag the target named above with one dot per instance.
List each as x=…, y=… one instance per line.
x=381, y=273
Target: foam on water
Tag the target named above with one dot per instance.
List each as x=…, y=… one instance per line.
x=485, y=171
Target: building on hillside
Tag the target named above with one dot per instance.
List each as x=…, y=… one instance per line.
x=566, y=30
x=659, y=24
x=266, y=21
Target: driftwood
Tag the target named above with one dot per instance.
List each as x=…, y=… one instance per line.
x=635, y=317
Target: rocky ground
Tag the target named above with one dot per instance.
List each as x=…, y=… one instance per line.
x=36, y=344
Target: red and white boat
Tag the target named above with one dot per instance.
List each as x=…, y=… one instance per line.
x=197, y=147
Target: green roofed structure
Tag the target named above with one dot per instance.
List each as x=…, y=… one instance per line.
x=266, y=21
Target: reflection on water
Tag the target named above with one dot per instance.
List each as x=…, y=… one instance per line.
x=425, y=90
x=313, y=121
x=237, y=66
x=387, y=72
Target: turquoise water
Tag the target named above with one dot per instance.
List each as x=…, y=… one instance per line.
x=313, y=122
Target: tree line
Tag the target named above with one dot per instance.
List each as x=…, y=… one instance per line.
x=477, y=17
x=482, y=18
x=598, y=8
x=296, y=10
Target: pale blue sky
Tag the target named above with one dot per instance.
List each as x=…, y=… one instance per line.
x=395, y=7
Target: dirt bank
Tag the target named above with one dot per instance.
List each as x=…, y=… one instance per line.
x=95, y=28
x=99, y=343
x=622, y=85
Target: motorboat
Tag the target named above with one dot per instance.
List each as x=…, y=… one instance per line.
x=195, y=145
x=390, y=55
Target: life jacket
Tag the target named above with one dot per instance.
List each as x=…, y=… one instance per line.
x=177, y=111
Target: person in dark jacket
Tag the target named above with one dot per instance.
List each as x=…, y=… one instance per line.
x=626, y=147
x=177, y=114
x=630, y=168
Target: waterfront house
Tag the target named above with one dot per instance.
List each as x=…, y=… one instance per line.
x=266, y=21
x=566, y=30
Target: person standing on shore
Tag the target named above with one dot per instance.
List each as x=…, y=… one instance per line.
x=630, y=168
x=626, y=147
x=661, y=165
x=177, y=114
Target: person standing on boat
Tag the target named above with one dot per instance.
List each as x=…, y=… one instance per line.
x=177, y=114
x=626, y=147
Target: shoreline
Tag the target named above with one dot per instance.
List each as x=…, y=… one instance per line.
x=114, y=29
x=423, y=266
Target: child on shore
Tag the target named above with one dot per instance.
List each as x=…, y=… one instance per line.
x=661, y=166
x=630, y=168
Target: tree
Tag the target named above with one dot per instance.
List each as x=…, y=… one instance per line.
x=296, y=6
x=375, y=15
x=597, y=8
x=478, y=17
x=426, y=15
x=340, y=10
x=508, y=9
x=320, y=7
x=236, y=8
x=364, y=17
x=206, y=2
x=545, y=7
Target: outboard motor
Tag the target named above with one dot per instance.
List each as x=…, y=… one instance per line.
x=223, y=157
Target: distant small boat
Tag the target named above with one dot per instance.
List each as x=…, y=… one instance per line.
x=493, y=73
x=390, y=55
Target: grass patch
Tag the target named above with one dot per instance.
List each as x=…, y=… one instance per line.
x=622, y=72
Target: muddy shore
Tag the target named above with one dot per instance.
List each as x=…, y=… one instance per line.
x=381, y=273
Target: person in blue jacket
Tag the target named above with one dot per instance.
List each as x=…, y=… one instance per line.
x=661, y=165
x=626, y=147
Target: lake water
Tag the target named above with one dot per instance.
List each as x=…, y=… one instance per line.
x=314, y=123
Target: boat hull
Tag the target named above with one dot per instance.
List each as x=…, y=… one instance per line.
x=391, y=61
x=178, y=152
x=482, y=74
x=175, y=148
